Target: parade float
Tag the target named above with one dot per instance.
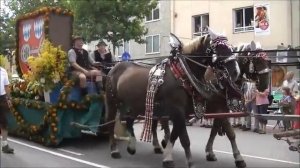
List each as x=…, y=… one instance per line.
x=47, y=100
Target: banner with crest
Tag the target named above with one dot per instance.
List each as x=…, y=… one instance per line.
x=262, y=19
x=31, y=36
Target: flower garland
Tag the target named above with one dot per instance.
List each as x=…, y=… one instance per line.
x=50, y=119
x=25, y=89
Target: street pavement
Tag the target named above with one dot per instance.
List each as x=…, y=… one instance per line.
x=89, y=151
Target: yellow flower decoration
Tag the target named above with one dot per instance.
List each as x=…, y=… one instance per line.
x=49, y=67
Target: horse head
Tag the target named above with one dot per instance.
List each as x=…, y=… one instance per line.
x=254, y=64
x=223, y=57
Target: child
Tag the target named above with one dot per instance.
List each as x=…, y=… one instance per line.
x=262, y=103
x=287, y=106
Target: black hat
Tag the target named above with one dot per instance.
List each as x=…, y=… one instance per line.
x=101, y=43
x=74, y=38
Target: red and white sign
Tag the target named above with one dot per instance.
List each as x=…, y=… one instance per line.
x=262, y=19
x=31, y=36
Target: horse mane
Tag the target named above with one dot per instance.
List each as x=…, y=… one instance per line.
x=196, y=45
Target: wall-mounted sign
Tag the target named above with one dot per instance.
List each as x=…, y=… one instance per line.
x=262, y=19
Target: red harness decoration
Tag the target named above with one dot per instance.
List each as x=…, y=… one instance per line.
x=156, y=76
x=180, y=74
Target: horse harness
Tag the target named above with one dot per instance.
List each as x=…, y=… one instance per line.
x=190, y=83
x=252, y=68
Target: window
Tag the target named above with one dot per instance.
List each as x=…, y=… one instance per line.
x=152, y=44
x=154, y=14
x=200, y=23
x=124, y=47
x=243, y=20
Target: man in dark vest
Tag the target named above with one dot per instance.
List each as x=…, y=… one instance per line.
x=80, y=65
x=101, y=57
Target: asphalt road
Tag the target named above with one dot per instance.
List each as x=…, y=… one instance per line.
x=257, y=150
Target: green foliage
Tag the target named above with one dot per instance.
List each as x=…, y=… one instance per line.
x=113, y=20
x=3, y=61
x=6, y=33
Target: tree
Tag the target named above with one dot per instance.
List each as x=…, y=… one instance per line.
x=113, y=20
x=6, y=33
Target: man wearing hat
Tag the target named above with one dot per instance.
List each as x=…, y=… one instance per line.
x=101, y=56
x=81, y=67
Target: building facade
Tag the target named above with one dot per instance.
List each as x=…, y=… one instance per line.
x=237, y=20
x=158, y=24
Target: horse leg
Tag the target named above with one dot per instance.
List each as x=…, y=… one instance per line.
x=111, y=111
x=132, y=140
x=210, y=155
x=239, y=161
x=185, y=142
x=167, y=155
x=157, y=148
x=165, y=126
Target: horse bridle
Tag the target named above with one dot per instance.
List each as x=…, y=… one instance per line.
x=250, y=60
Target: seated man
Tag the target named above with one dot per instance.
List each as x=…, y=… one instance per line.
x=81, y=67
x=101, y=57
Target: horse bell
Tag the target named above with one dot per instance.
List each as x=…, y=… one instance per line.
x=160, y=81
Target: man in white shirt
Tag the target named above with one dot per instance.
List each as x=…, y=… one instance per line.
x=81, y=67
x=5, y=104
x=291, y=83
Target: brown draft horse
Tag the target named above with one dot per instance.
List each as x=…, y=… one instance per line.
x=127, y=86
x=260, y=74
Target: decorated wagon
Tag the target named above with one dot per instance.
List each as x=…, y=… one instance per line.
x=47, y=100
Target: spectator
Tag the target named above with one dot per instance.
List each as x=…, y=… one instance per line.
x=249, y=96
x=5, y=104
x=291, y=83
x=262, y=103
x=287, y=106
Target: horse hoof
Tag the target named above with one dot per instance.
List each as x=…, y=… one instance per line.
x=163, y=143
x=158, y=151
x=131, y=151
x=116, y=155
x=168, y=164
x=293, y=148
x=191, y=165
x=211, y=157
x=240, y=164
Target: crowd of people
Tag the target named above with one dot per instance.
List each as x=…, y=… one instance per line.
x=257, y=102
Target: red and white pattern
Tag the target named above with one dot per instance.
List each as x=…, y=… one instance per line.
x=156, y=75
x=147, y=130
x=263, y=55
